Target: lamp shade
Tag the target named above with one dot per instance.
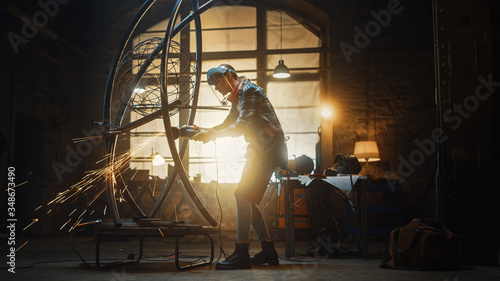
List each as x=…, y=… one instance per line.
x=281, y=71
x=158, y=160
x=366, y=151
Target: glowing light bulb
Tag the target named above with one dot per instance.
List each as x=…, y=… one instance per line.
x=326, y=112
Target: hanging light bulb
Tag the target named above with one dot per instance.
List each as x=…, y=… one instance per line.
x=158, y=160
x=281, y=71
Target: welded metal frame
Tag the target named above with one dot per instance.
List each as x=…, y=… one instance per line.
x=111, y=130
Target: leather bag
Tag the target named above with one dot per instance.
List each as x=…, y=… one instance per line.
x=419, y=245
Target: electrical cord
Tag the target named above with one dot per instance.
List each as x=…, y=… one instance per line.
x=169, y=257
x=336, y=224
x=336, y=250
x=60, y=261
x=290, y=206
x=306, y=194
x=198, y=257
x=85, y=263
x=221, y=252
x=74, y=250
x=294, y=260
x=338, y=246
x=39, y=262
x=270, y=201
x=278, y=195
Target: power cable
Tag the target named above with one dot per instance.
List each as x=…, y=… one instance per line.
x=221, y=252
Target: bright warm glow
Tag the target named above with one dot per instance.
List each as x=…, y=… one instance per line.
x=221, y=161
x=139, y=90
x=366, y=151
x=326, y=113
x=281, y=75
x=158, y=160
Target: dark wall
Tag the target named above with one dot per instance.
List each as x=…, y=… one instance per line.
x=382, y=87
x=467, y=90
x=55, y=58
x=40, y=101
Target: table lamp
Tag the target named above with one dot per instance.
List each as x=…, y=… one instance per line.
x=366, y=151
x=156, y=160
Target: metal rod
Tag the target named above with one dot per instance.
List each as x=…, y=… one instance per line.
x=166, y=117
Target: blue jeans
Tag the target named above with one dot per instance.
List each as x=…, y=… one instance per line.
x=249, y=213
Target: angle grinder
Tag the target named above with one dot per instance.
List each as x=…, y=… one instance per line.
x=186, y=131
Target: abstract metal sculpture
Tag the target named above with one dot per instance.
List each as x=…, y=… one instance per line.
x=170, y=78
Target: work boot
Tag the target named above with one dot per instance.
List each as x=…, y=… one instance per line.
x=240, y=259
x=267, y=255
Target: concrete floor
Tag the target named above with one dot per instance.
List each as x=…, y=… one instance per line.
x=53, y=259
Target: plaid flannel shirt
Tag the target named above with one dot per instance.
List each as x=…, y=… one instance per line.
x=252, y=116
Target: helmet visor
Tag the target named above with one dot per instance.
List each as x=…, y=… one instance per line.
x=214, y=73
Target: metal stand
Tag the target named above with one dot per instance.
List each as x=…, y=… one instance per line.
x=153, y=228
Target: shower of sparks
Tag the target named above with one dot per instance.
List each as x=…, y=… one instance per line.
x=34, y=220
x=72, y=213
x=84, y=211
x=75, y=225
x=93, y=184
x=17, y=185
x=96, y=179
x=64, y=224
x=21, y=246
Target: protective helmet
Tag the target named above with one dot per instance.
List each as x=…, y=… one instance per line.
x=216, y=72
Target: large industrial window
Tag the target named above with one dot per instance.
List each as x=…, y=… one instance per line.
x=229, y=32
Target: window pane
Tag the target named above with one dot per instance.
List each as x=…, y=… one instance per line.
x=294, y=34
x=233, y=28
x=244, y=67
x=296, y=104
x=293, y=94
x=227, y=28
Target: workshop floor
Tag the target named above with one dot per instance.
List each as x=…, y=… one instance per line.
x=53, y=259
